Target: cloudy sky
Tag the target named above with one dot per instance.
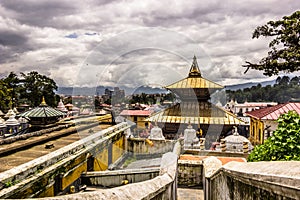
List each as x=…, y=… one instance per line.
x=133, y=43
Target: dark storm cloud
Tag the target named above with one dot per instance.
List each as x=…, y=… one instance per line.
x=12, y=39
x=12, y=44
x=39, y=12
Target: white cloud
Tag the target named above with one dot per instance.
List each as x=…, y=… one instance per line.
x=32, y=37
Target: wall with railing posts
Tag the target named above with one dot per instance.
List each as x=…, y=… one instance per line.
x=163, y=186
x=254, y=180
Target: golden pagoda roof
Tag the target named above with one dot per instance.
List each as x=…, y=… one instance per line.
x=194, y=80
x=196, y=113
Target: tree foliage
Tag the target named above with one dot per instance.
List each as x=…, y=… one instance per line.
x=4, y=95
x=35, y=86
x=285, y=142
x=29, y=88
x=284, y=90
x=285, y=47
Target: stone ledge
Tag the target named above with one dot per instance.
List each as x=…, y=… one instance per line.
x=280, y=177
x=30, y=168
x=119, y=172
x=143, y=190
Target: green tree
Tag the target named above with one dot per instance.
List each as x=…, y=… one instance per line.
x=35, y=86
x=13, y=86
x=285, y=142
x=285, y=47
x=4, y=96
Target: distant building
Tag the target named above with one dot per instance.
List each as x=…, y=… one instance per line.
x=263, y=121
x=240, y=109
x=137, y=116
x=108, y=92
x=117, y=96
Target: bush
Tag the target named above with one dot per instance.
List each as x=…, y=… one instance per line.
x=284, y=145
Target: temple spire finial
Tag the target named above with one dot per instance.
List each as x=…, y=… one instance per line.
x=43, y=102
x=194, y=71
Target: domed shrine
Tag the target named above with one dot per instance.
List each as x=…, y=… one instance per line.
x=61, y=106
x=234, y=142
x=43, y=115
x=195, y=108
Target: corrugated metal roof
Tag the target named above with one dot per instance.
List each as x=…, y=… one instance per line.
x=273, y=113
x=136, y=113
x=43, y=112
x=196, y=112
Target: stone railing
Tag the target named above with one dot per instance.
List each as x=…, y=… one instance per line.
x=144, y=147
x=249, y=181
x=118, y=177
x=163, y=186
x=68, y=161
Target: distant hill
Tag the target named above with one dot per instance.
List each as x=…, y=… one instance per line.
x=83, y=91
x=248, y=85
x=149, y=90
x=90, y=91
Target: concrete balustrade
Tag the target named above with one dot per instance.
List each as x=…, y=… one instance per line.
x=56, y=171
x=139, y=146
x=254, y=180
x=117, y=177
x=163, y=186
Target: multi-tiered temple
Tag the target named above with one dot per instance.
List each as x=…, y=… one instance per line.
x=195, y=108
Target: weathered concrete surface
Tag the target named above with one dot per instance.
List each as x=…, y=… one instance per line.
x=144, y=163
x=23, y=156
x=117, y=177
x=211, y=165
x=32, y=178
x=190, y=172
x=190, y=194
x=215, y=153
x=256, y=180
x=144, y=190
x=139, y=146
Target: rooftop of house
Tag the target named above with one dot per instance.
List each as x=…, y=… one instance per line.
x=136, y=113
x=273, y=113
